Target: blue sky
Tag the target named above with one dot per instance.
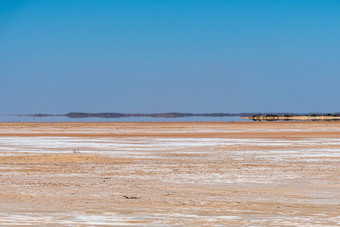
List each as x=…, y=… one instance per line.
x=160, y=56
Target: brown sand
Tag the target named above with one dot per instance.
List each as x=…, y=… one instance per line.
x=237, y=173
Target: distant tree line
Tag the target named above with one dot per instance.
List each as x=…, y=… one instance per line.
x=173, y=115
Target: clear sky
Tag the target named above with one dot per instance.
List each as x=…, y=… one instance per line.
x=169, y=55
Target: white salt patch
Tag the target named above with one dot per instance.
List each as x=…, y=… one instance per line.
x=151, y=146
x=104, y=218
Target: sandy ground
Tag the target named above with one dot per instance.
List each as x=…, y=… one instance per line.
x=161, y=174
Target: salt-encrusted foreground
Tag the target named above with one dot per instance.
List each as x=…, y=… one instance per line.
x=267, y=173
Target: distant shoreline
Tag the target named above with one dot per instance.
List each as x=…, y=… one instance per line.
x=324, y=117
x=125, y=115
x=248, y=116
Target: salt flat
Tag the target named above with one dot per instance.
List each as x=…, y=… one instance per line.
x=161, y=174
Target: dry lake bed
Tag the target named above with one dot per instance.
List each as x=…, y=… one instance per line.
x=164, y=174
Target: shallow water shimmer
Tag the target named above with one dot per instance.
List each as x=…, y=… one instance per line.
x=12, y=118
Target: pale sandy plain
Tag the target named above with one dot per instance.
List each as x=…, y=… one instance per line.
x=162, y=174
